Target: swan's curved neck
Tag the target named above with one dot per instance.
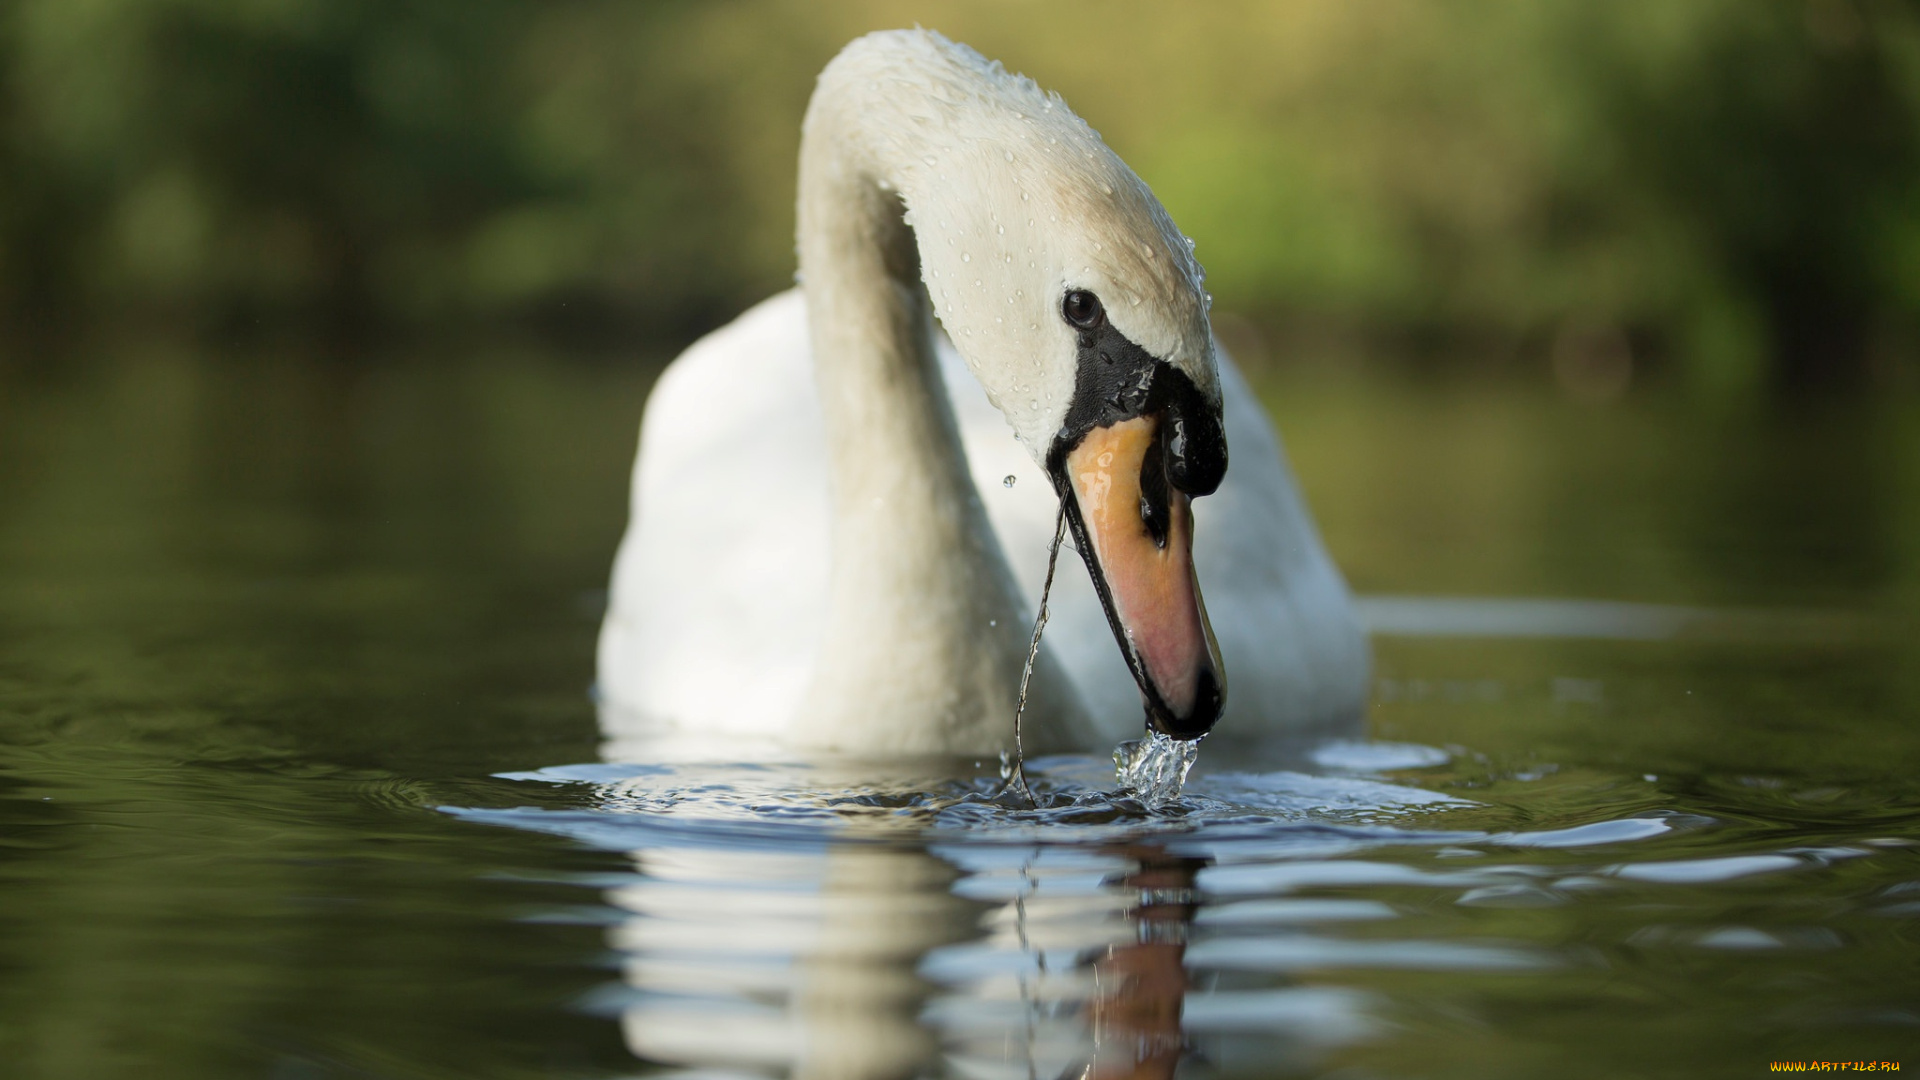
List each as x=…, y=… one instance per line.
x=926, y=633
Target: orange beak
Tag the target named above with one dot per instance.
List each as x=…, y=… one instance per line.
x=1136, y=530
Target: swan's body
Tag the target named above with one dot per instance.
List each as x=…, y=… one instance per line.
x=813, y=561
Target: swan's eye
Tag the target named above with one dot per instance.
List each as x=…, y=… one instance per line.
x=1082, y=309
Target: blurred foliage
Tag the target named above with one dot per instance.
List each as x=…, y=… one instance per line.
x=1727, y=187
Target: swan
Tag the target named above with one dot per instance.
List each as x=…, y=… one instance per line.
x=843, y=501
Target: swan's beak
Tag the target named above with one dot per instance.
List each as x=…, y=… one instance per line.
x=1136, y=530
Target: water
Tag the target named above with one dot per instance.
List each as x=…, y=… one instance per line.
x=300, y=779
x=1154, y=768
x=1013, y=770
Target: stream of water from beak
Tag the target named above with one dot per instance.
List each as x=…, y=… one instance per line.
x=1015, y=773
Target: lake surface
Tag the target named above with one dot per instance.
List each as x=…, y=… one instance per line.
x=299, y=770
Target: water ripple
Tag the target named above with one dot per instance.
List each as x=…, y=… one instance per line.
x=778, y=909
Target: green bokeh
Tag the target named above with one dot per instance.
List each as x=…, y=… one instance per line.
x=1730, y=184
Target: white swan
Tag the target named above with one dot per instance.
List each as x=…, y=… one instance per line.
x=814, y=561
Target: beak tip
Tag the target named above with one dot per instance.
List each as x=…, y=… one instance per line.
x=1209, y=701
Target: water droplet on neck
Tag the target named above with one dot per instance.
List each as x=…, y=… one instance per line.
x=1009, y=480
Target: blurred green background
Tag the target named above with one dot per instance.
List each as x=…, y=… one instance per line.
x=1717, y=193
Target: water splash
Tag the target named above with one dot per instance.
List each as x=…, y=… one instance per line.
x=1155, y=768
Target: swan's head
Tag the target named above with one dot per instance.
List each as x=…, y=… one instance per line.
x=1080, y=308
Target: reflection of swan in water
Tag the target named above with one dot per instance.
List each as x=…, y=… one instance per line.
x=1143, y=985
x=934, y=184
x=838, y=920
x=800, y=963
x=816, y=970
x=863, y=961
